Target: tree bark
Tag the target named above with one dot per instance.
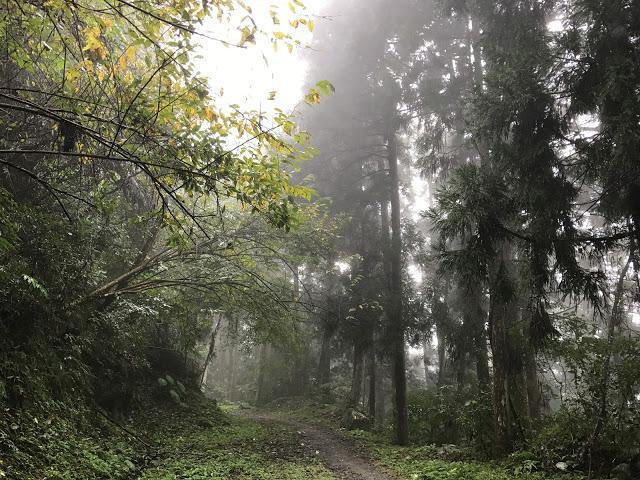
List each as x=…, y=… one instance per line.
x=231, y=372
x=426, y=363
x=215, y=328
x=324, y=364
x=498, y=312
x=380, y=397
x=356, y=379
x=617, y=312
x=482, y=365
x=261, y=393
x=372, y=373
x=442, y=355
x=533, y=386
x=475, y=318
x=395, y=304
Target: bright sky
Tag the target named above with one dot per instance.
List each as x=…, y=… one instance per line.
x=247, y=76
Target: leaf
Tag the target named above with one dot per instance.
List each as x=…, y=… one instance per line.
x=175, y=396
x=33, y=283
x=326, y=87
x=210, y=114
x=92, y=41
x=313, y=97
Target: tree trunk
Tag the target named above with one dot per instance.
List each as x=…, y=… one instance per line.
x=371, y=373
x=482, y=365
x=426, y=362
x=380, y=397
x=356, y=380
x=617, y=313
x=533, y=386
x=474, y=318
x=395, y=304
x=231, y=373
x=384, y=232
x=498, y=312
x=442, y=356
x=215, y=328
x=261, y=393
x=324, y=364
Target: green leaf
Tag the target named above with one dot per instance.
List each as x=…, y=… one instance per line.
x=326, y=87
x=33, y=283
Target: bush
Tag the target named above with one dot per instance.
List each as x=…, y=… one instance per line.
x=451, y=416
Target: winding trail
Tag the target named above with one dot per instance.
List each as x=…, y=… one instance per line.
x=339, y=455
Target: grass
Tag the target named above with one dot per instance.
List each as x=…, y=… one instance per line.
x=199, y=441
x=239, y=450
x=210, y=444
x=204, y=441
x=417, y=462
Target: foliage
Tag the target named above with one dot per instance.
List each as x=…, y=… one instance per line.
x=57, y=440
x=450, y=416
x=133, y=205
x=568, y=434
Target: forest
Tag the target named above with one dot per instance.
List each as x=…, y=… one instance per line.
x=320, y=239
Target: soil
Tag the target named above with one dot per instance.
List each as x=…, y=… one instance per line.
x=339, y=454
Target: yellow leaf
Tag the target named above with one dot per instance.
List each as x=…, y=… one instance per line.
x=130, y=52
x=72, y=74
x=92, y=41
x=210, y=114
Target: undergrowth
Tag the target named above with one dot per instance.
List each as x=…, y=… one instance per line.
x=419, y=462
x=229, y=447
x=61, y=441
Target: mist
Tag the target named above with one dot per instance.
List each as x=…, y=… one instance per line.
x=344, y=239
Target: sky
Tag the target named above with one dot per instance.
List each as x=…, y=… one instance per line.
x=248, y=76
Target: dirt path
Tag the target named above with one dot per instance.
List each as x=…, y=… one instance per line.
x=339, y=454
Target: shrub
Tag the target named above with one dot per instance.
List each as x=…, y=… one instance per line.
x=451, y=416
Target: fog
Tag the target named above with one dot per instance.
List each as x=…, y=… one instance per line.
x=342, y=239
